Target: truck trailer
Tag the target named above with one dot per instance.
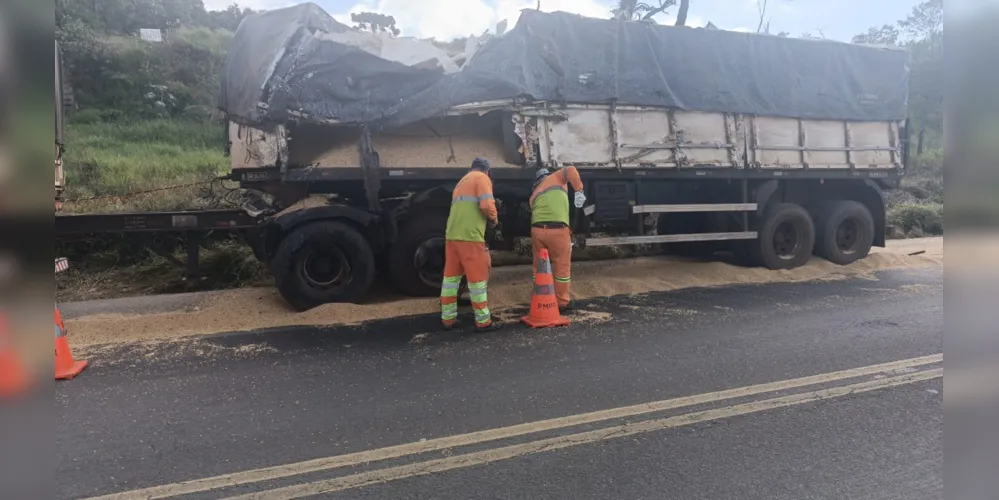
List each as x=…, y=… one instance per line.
x=702, y=140
x=349, y=143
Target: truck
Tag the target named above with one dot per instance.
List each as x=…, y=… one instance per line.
x=349, y=143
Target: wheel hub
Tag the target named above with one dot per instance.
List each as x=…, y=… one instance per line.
x=325, y=268
x=785, y=240
x=429, y=260
x=847, y=236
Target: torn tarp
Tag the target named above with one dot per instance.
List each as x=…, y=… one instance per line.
x=282, y=60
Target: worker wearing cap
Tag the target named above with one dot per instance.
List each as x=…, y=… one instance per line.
x=550, y=224
x=466, y=253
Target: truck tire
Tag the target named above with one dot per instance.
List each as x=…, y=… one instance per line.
x=417, y=258
x=323, y=262
x=844, y=232
x=786, y=237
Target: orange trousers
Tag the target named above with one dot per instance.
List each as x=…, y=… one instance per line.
x=471, y=259
x=558, y=242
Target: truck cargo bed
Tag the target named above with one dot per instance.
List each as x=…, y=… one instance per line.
x=584, y=135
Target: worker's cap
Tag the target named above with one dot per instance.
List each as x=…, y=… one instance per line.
x=481, y=163
x=541, y=173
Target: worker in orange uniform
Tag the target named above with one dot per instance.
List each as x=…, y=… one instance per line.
x=466, y=253
x=550, y=224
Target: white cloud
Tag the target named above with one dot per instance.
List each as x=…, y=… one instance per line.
x=670, y=20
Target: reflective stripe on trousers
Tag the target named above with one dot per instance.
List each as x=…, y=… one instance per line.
x=471, y=259
x=449, y=297
x=477, y=293
x=558, y=242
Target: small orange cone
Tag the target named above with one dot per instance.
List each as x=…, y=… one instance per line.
x=13, y=378
x=65, y=366
x=544, y=307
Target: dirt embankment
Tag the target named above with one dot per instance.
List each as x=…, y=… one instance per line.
x=256, y=308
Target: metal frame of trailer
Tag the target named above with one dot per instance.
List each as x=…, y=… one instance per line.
x=191, y=224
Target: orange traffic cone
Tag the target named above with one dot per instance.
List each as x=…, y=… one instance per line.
x=65, y=366
x=544, y=306
x=13, y=378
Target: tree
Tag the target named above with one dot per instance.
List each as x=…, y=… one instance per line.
x=113, y=72
x=681, y=15
x=763, y=26
x=375, y=23
x=885, y=35
x=925, y=19
x=761, y=8
x=633, y=10
x=921, y=32
x=229, y=18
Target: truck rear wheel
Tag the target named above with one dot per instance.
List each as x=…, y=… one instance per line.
x=323, y=262
x=844, y=232
x=417, y=258
x=786, y=237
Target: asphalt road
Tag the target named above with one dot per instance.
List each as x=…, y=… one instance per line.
x=700, y=392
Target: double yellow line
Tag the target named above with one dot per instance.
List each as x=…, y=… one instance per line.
x=884, y=376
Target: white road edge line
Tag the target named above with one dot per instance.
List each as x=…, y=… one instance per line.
x=488, y=456
x=390, y=452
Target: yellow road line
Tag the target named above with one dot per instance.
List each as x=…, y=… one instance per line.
x=488, y=456
x=390, y=452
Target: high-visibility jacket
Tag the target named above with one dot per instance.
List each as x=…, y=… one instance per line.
x=472, y=204
x=550, y=199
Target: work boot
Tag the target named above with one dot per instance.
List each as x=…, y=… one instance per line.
x=488, y=328
x=568, y=307
x=447, y=327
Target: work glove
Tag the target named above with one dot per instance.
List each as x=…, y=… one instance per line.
x=580, y=199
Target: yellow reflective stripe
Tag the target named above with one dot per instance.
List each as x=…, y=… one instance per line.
x=562, y=280
x=477, y=292
x=482, y=316
x=449, y=311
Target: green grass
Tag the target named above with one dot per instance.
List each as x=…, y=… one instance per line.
x=918, y=219
x=113, y=159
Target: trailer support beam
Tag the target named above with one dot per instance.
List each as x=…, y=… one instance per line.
x=669, y=238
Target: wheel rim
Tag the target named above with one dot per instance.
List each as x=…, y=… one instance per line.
x=848, y=236
x=429, y=260
x=325, y=268
x=785, y=241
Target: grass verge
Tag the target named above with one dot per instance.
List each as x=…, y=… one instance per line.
x=108, y=161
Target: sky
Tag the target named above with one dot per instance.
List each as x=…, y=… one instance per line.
x=448, y=19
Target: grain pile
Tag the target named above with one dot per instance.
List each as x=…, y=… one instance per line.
x=256, y=308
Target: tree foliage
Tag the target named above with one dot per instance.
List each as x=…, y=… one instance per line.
x=633, y=10
x=118, y=75
x=375, y=22
x=885, y=35
x=921, y=32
